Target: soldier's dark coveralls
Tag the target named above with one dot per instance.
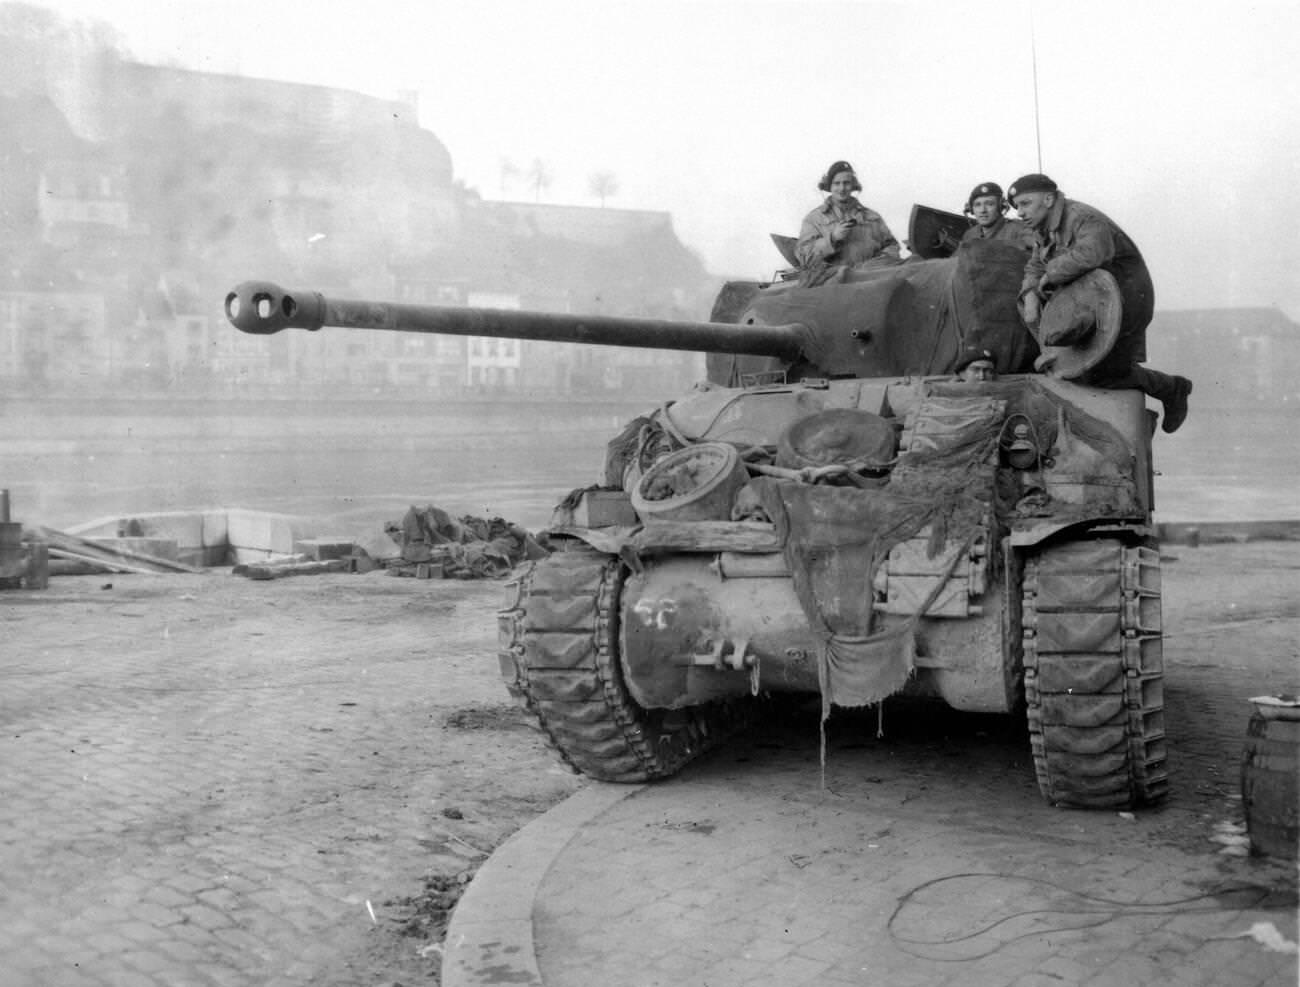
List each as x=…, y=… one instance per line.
x=1073, y=239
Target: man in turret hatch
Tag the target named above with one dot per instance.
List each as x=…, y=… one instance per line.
x=1071, y=239
x=842, y=232
x=987, y=208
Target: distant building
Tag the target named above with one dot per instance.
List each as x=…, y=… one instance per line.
x=1232, y=354
x=51, y=337
x=135, y=196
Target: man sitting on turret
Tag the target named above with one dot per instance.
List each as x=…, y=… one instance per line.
x=842, y=232
x=987, y=209
x=1071, y=239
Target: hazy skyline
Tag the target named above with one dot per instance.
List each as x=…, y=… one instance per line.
x=1181, y=122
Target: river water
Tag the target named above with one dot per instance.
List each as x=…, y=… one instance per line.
x=69, y=462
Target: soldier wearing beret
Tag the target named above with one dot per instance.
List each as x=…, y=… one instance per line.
x=975, y=364
x=987, y=208
x=1071, y=239
x=842, y=232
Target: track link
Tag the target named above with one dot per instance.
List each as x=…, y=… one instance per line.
x=558, y=634
x=1094, y=673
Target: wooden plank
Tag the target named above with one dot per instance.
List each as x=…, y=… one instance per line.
x=707, y=536
x=96, y=552
x=277, y=570
x=116, y=565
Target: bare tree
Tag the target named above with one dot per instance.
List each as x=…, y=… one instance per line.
x=539, y=177
x=602, y=184
x=509, y=171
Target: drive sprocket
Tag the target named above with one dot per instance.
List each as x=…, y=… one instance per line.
x=559, y=656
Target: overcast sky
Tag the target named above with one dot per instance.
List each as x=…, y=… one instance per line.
x=1180, y=120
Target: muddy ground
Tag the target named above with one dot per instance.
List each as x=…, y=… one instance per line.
x=311, y=768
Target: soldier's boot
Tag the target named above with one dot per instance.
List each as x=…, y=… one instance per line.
x=1170, y=390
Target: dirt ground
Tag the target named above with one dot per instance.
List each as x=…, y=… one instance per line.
x=343, y=746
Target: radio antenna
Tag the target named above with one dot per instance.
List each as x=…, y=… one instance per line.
x=1033, y=51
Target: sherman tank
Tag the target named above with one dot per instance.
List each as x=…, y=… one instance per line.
x=837, y=513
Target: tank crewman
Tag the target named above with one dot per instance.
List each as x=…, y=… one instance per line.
x=842, y=232
x=976, y=364
x=1071, y=239
x=987, y=208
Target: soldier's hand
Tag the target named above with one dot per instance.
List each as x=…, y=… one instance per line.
x=1031, y=308
x=840, y=231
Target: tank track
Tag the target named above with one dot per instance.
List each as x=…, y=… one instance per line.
x=558, y=637
x=1094, y=673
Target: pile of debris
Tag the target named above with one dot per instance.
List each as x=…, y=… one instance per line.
x=434, y=545
x=428, y=543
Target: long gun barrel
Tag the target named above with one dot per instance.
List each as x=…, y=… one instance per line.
x=263, y=308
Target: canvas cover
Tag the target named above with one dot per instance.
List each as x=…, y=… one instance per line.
x=836, y=538
x=922, y=313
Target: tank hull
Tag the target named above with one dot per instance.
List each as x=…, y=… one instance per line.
x=701, y=628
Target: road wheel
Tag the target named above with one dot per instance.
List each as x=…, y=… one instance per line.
x=1094, y=673
x=559, y=657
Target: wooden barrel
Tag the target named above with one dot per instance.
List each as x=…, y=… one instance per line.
x=1270, y=768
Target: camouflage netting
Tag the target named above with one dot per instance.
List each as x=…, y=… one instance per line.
x=836, y=538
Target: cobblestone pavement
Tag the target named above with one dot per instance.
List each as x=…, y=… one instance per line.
x=211, y=781
x=926, y=856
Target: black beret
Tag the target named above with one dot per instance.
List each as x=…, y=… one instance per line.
x=972, y=354
x=1031, y=183
x=984, y=188
x=835, y=168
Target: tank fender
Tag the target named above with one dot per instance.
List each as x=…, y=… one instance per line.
x=1036, y=533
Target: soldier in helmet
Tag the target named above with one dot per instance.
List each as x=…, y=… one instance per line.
x=987, y=208
x=1071, y=239
x=842, y=232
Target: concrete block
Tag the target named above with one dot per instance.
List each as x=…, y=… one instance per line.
x=13, y=563
x=207, y=555
x=240, y=555
x=360, y=562
x=321, y=549
x=379, y=546
x=215, y=530
x=267, y=532
x=191, y=530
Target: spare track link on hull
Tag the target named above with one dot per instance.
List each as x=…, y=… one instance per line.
x=1094, y=673
x=559, y=657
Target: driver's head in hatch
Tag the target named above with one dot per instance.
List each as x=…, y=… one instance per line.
x=976, y=364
